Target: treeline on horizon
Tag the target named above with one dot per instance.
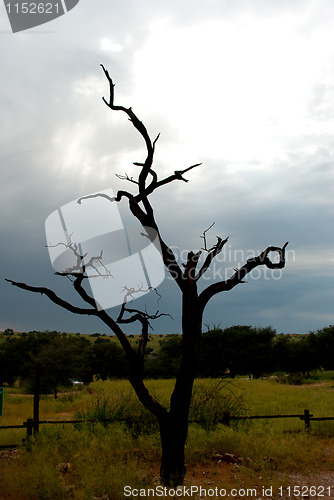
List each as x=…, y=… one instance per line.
x=236, y=350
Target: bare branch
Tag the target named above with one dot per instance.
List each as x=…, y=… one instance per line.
x=176, y=176
x=190, y=266
x=138, y=125
x=156, y=140
x=144, y=316
x=204, y=237
x=83, y=293
x=238, y=276
x=90, y=264
x=137, y=315
x=125, y=177
x=80, y=268
x=74, y=248
x=213, y=252
x=119, y=196
x=54, y=298
x=136, y=369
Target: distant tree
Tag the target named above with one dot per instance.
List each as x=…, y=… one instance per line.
x=166, y=363
x=7, y=375
x=214, y=359
x=61, y=358
x=282, y=355
x=8, y=331
x=237, y=339
x=322, y=342
x=16, y=356
x=304, y=355
x=296, y=354
x=173, y=421
x=237, y=350
x=260, y=354
x=106, y=360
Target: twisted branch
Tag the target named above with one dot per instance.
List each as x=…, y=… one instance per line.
x=239, y=275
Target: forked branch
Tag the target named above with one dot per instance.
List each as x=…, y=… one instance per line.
x=137, y=315
x=212, y=252
x=80, y=268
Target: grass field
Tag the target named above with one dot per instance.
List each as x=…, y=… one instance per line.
x=92, y=460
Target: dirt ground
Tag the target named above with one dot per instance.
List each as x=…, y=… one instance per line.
x=225, y=476
x=236, y=483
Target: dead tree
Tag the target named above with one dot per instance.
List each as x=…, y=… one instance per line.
x=173, y=422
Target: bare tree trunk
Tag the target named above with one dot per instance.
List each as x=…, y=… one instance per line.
x=174, y=428
x=173, y=433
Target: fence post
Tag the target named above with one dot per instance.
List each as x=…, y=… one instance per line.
x=226, y=418
x=307, y=419
x=1, y=399
x=29, y=424
x=36, y=397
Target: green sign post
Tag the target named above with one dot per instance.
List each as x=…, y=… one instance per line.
x=1, y=401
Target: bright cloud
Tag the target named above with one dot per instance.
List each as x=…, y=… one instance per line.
x=234, y=89
x=110, y=46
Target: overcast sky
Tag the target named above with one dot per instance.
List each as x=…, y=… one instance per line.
x=245, y=87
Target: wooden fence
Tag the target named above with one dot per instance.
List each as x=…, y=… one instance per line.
x=32, y=426
x=307, y=417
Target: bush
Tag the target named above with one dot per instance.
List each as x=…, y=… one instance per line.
x=292, y=379
x=122, y=407
x=213, y=398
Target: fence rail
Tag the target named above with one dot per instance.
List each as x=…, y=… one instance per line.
x=306, y=416
x=32, y=426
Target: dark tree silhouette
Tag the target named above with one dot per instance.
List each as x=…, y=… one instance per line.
x=173, y=422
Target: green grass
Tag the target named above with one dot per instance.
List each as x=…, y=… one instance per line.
x=265, y=396
x=105, y=458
